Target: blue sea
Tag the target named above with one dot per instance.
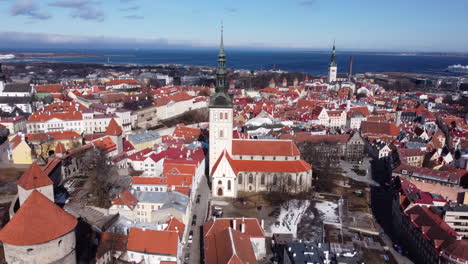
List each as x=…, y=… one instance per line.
x=315, y=63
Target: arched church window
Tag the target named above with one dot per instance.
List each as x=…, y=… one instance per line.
x=229, y=185
x=275, y=179
x=300, y=180
x=250, y=178
x=289, y=179
x=221, y=134
x=240, y=178
x=219, y=182
x=262, y=179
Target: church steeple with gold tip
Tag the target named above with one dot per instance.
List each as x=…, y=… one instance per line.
x=221, y=98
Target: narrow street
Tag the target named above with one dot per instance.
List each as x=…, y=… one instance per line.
x=200, y=210
x=381, y=202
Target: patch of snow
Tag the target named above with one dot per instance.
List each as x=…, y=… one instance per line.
x=328, y=211
x=258, y=121
x=289, y=217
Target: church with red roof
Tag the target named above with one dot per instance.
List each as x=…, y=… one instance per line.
x=249, y=165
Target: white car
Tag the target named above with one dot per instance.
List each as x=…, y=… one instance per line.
x=190, y=237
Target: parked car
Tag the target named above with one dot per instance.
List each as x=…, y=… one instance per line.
x=187, y=256
x=198, y=199
x=194, y=220
x=190, y=237
x=218, y=213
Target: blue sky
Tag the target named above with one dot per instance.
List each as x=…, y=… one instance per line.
x=381, y=25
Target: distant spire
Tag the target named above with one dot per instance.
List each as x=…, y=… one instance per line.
x=221, y=71
x=221, y=97
x=333, y=62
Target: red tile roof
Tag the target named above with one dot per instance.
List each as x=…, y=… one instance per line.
x=60, y=148
x=182, y=131
x=228, y=247
x=15, y=141
x=264, y=148
x=174, y=224
x=49, y=88
x=125, y=198
x=114, y=129
x=149, y=180
x=105, y=144
x=379, y=128
x=58, y=135
x=37, y=221
x=225, y=243
x=153, y=241
x=34, y=177
x=293, y=166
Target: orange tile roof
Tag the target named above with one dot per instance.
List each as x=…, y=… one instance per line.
x=153, y=241
x=105, y=144
x=37, y=221
x=379, y=128
x=264, y=148
x=182, y=131
x=15, y=141
x=148, y=180
x=49, y=88
x=57, y=135
x=125, y=198
x=271, y=166
x=175, y=225
x=34, y=177
x=60, y=148
x=114, y=129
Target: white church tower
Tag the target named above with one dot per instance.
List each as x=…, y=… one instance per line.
x=332, y=68
x=221, y=112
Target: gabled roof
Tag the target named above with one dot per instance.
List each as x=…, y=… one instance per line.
x=264, y=148
x=174, y=224
x=34, y=178
x=125, y=198
x=37, y=221
x=153, y=241
x=225, y=243
x=379, y=128
x=60, y=148
x=114, y=129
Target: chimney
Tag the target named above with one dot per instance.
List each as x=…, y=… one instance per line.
x=144, y=229
x=243, y=227
x=234, y=224
x=262, y=223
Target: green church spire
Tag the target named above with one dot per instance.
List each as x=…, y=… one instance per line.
x=221, y=98
x=333, y=62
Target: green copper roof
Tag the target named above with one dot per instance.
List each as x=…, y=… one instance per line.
x=221, y=98
x=333, y=62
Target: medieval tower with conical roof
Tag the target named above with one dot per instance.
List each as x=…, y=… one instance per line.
x=221, y=113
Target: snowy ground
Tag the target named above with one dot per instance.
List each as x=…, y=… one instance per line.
x=328, y=211
x=290, y=215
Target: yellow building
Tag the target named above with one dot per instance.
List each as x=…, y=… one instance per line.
x=145, y=139
x=20, y=152
x=45, y=144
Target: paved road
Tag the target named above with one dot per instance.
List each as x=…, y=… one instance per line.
x=381, y=201
x=200, y=210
